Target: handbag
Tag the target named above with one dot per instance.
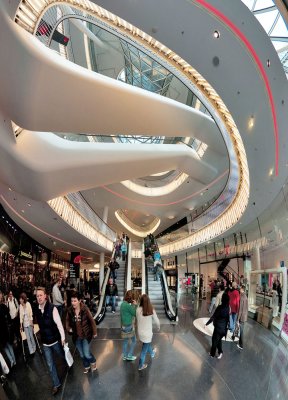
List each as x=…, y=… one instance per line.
x=127, y=331
x=68, y=355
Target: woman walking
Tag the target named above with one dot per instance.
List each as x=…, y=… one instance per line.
x=81, y=324
x=5, y=321
x=145, y=316
x=128, y=314
x=220, y=320
x=26, y=322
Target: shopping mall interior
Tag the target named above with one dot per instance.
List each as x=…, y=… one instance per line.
x=152, y=133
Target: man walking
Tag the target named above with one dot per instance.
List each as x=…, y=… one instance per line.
x=243, y=315
x=57, y=297
x=52, y=334
x=111, y=293
x=13, y=307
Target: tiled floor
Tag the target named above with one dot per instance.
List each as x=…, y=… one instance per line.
x=182, y=368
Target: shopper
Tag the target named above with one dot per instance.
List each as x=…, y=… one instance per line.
x=5, y=336
x=52, y=334
x=214, y=293
x=220, y=320
x=26, y=322
x=145, y=316
x=13, y=307
x=242, y=315
x=57, y=297
x=113, y=265
x=234, y=305
x=111, y=293
x=81, y=324
x=127, y=315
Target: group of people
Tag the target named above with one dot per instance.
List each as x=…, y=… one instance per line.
x=151, y=253
x=231, y=313
x=121, y=247
x=145, y=315
x=78, y=322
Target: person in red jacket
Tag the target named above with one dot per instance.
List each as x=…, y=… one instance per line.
x=234, y=305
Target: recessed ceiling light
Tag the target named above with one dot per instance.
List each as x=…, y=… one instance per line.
x=22, y=211
x=251, y=122
x=271, y=171
x=171, y=217
x=216, y=34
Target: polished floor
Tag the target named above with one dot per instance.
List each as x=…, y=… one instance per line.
x=182, y=368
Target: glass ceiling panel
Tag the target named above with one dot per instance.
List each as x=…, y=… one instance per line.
x=274, y=25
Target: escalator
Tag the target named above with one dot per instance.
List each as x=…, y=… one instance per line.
x=157, y=290
x=98, y=305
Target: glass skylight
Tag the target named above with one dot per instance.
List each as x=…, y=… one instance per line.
x=270, y=18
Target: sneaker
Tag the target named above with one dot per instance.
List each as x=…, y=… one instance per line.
x=86, y=370
x=143, y=367
x=220, y=356
x=124, y=358
x=113, y=312
x=210, y=354
x=154, y=353
x=93, y=367
x=131, y=358
x=239, y=347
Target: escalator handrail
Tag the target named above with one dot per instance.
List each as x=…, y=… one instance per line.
x=100, y=313
x=167, y=298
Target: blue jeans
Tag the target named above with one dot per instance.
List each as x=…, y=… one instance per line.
x=85, y=353
x=10, y=353
x=232, y=319
x=132, y=346
x=112, y=300
x=48, y=353
x=146, y=348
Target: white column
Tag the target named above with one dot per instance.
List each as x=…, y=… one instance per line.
x=102, y=255
x=254, y=278
x=128, y=279
x=143, y=270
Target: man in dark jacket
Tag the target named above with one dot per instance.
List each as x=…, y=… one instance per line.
x=111, y=293
x=242, y=315
x=52, y=334
x=113, y=265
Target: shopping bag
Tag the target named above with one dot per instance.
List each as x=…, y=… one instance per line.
x=4, y=365
x=68, y=355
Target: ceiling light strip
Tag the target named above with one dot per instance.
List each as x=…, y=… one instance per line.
x=70, y=215
x=135, y=229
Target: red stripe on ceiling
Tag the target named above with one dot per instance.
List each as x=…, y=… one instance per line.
x=257, y=60
x=164, y=204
